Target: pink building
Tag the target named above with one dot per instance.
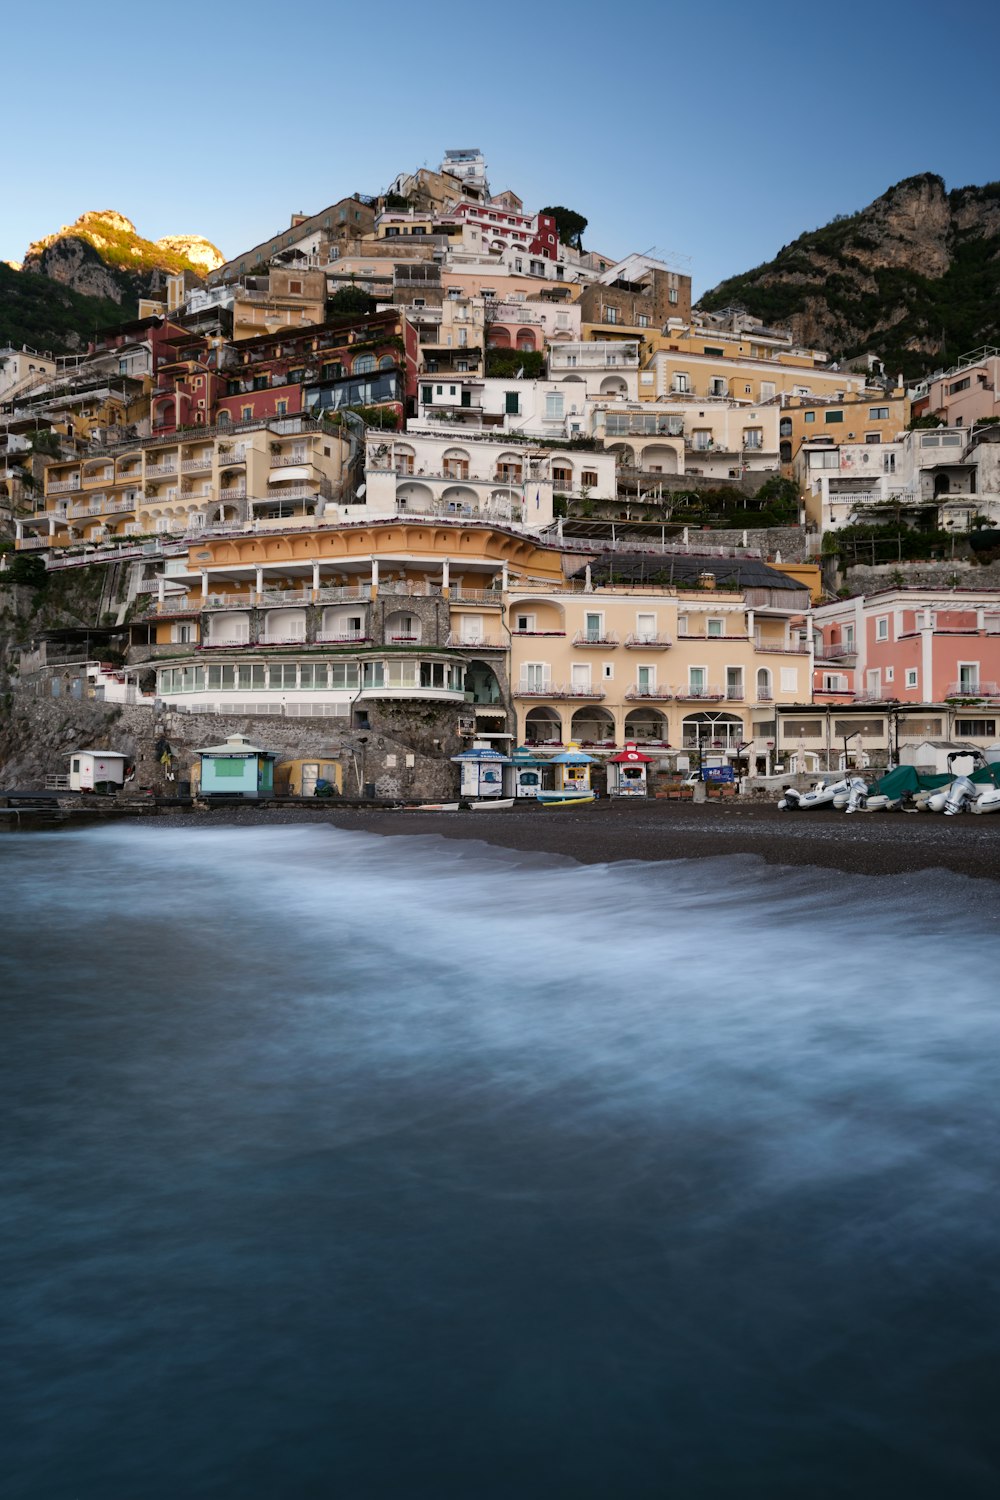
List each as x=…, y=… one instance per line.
x=965, y=395
x=910, y=646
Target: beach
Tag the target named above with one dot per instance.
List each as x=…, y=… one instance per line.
x=610, y=831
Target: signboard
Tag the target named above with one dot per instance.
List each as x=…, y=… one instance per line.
x=718, y=773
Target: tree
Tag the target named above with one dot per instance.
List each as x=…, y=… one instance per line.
x=350, y=302
x=27, y=570
x=569, y=225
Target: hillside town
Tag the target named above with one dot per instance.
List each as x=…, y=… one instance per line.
x=419, y=482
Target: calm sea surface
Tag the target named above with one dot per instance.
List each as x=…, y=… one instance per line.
x=337, y=1166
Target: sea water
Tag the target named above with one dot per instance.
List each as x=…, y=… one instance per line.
x=341, y=1166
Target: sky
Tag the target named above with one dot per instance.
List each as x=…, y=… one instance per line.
x=714, y=133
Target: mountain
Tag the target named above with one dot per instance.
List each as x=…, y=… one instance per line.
x=103, y=255
x=40, y=313
x=914, y=278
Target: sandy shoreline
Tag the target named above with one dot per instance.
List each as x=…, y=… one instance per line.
x=865, y=844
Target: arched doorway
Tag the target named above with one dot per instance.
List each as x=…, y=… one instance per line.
x=646, y=726
x=481, y=682
x=593, y=727
x=542, y=726
x=712, y=733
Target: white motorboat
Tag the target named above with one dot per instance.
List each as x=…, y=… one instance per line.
x=492, y=804
x=823, y=794
x=988, y=800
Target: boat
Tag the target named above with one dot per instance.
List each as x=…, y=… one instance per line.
x=491, y=804
x=565, y=799
x=823, y=794
x=988, y=801
x=433, y=807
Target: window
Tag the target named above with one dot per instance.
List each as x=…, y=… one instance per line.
x=607, y=670
x=888, y=463
x=719, y=353
x=588, y=478
x=789, y=679
x=534, y=674
x=848, y=637
x=968, y=676
x=697, y=680
x=246, y=414
x=753, y=437
x=426, y=394
x=878, y=414
x=593, y=627
x=645, y=627
x=281, y=407
x=580, y=675
x=553, y=406
x=911, y=677
x=295, y=288
x=681, y=384
x=524, y=624
x=672, y=295
x=717, y=386
x=873, y=437
x=882, y=628
x=611, y=315
x=956, y=386
x=512, y=404
x=975, y=729
x=833, y=416
x=767, y=390
x=734, y=684
x=642, y=321
x=714, y=627
x=809, y=416
x=890, y=674
x=364, y=364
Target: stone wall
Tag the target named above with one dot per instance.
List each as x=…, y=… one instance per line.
x=405, y=752
x=955, y=573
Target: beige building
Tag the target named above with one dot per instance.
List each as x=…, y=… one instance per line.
x=689, y=671
x=276, y=475
x=873, y=417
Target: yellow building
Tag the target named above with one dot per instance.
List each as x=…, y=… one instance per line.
x=276, y=475
x=873, y=417
x=283, y=298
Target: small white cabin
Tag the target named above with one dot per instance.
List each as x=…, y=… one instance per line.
x=931, y=756
x=89, y=768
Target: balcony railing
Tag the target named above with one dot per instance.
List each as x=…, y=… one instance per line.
x=595, y=638
x=160, y=471
x=287, y=460
x=555, y=690
x=832, y=653
x=643, y=642
x=973, y=690
x=648, y=691
x=699, y=694
x=63, y=486
x=272, y=597
x=780, y=648
x=197, y=465
x=476, y=643
x=343, y=638
x=293, y=492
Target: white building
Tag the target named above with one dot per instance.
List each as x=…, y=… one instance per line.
x=460, y=475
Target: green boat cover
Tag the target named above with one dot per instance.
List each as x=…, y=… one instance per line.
x=905, y=781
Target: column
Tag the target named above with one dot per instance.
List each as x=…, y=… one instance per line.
x=588, y=582
x=259, y=583
x=505, y=578
x=374, y=580
x=160, y=592
x=446, y=578
x=204, y=584
x=315, y=568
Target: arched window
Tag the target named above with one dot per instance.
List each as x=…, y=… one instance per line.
x=386, y=362
x=364, y=364
x=764, y=693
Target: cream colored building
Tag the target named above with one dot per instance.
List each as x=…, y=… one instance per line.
x=275, y=475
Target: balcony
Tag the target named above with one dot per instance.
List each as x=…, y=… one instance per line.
x=644, y=642
x=595, y=638
x=291, y=492
x=779, y=648
x=231, y=456
x=475, y=643
x=700, y=694
x=201, y=465
x=63, y=486
x=525, y=689
x=345, y=638
x=834, y=653
x=538, y=632
x=160, y=471
x=290, y=458
x=233, y=492
x=648, y=692
x=973, y=690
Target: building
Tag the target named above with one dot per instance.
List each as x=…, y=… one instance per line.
x=236, y=768
x=281, y=298
x=966, y=394
x=637, y=294
x=314, y=239
x=20, y=368
x=874, y=417
x=463, y=474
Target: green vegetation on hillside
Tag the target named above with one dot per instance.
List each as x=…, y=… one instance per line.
x=46, y=315
x=913, y=322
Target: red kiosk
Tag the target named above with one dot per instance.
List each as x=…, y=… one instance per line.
x=629, y=777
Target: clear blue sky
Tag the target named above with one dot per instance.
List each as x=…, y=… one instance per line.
x=718, y=132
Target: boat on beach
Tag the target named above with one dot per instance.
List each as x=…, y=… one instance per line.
x=492, y=804
x=565, y=799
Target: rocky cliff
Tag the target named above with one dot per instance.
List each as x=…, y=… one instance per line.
x=914, y=278
x=103, y=255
